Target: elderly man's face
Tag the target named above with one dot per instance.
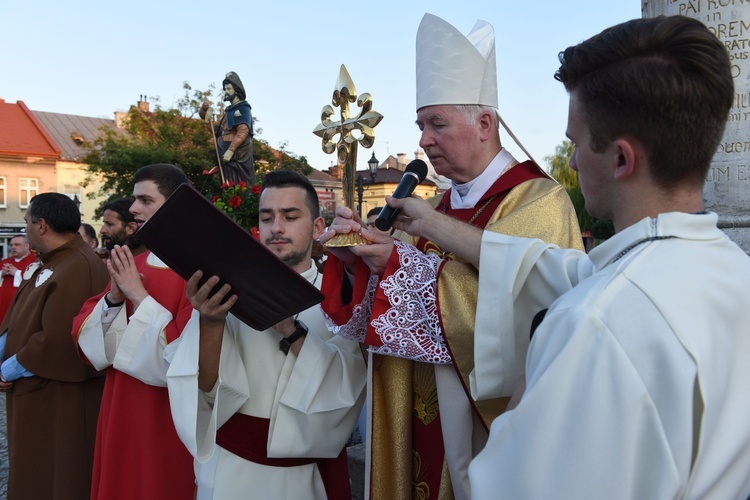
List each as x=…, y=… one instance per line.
x=451, y=143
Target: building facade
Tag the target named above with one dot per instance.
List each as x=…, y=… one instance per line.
x=28, y=166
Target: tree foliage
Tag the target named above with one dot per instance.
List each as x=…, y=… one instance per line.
x=171, y=135
x=559, y=165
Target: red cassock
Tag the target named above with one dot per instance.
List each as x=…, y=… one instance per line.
x=7, y=290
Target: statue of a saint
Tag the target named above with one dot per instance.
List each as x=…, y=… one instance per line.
x=234, y=132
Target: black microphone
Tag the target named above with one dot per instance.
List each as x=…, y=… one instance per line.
x=415, y=173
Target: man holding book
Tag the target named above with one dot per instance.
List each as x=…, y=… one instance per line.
x=267, y=411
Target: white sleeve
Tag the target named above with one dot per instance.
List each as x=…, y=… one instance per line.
x=140, y=346
x=586, y=427
x=196, y=415
x=518, y=277
x=318, y=395
x=101, y=332
x=318, y=403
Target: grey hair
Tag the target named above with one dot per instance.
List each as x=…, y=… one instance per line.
x=472, y=111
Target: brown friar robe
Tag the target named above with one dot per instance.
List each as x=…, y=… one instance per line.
x=52, y=415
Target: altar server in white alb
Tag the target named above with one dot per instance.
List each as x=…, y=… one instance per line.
x=637, y=378
x=268, y=414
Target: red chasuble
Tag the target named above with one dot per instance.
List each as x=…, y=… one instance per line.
x=391, y=464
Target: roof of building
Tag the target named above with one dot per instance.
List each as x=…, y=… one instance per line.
x=71, y=131
x=21, y=133
x=317, y=175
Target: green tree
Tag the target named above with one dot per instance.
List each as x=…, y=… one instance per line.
x=174, y=135
x=559, y=165
x=267, y=159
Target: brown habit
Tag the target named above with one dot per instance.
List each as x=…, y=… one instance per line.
x=52, y=415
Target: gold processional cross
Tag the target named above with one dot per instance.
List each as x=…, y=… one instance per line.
x=346, y=144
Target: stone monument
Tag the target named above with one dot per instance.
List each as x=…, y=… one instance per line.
x=727, y=189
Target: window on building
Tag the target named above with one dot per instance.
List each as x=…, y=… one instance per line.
x=3, y=184
x=27, y=188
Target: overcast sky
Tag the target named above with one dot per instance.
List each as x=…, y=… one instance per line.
x=93, y=58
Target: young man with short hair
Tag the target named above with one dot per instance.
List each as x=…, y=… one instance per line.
x=264, y=417
x=125, y=330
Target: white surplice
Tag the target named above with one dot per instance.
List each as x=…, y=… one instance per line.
x=637, y=379
x=312, y=401
x=133, y=345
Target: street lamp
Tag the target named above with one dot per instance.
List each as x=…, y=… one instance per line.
x=372, y=166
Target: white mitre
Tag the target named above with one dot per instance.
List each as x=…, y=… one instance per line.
x=453, y=68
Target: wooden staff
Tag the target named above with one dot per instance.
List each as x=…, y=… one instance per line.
x=216, y=148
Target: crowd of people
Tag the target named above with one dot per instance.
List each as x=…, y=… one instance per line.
x=497, y=358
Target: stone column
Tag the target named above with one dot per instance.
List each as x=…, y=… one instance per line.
x=727, y=189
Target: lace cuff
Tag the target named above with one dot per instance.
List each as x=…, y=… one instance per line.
x=410, y=328
x=356, y=328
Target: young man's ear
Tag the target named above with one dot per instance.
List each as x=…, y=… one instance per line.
x=319, y=226
x=625, y=155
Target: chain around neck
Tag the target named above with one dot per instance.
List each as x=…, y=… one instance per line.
x=633, y=245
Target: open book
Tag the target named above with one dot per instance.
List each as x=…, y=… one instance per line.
x=189, y=233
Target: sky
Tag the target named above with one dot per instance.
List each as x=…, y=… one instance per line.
x=93, y=58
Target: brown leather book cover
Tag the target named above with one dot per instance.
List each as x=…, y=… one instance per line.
x=189, y=233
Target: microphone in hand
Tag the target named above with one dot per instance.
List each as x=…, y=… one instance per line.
x=415, y=173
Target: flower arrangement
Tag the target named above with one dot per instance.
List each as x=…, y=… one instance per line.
x=240, y=202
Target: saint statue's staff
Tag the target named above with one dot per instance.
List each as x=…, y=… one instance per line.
x=210, y=122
